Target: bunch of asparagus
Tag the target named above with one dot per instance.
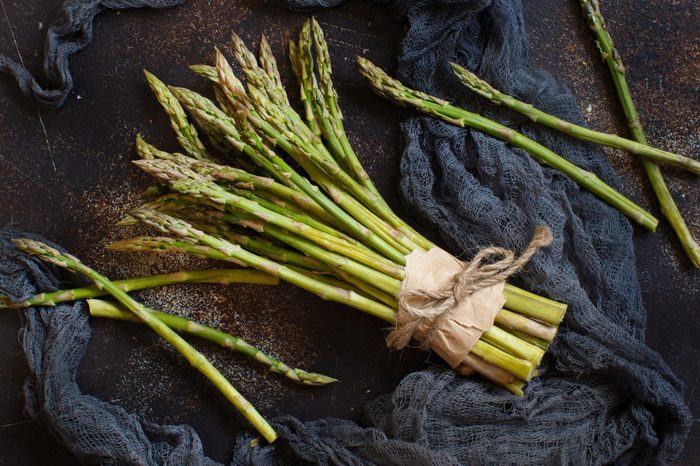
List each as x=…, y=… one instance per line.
x=285, y=193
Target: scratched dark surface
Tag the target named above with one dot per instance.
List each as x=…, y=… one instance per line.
x=67, y=176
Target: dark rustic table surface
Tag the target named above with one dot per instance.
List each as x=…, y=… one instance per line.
x=67, y=176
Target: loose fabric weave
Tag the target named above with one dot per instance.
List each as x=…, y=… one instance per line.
x=603, y=396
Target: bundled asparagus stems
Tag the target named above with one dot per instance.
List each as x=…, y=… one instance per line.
x=285, y=193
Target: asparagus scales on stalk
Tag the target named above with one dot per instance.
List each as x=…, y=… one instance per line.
x=221, y=276
x=494, y=359
x=99, y=308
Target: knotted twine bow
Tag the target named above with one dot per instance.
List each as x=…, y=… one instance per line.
x=426, y=316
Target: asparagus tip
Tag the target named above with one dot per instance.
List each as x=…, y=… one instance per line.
x=473, y=82
x=128, y=220
x=313, y=378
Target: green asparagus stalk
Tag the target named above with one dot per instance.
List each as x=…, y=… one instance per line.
x=305, y=88
x=538, y=342
x=513, y=345
x=612, y=59
x=195, y=358
x=106, y=309
x=521, y=323
x=206, y=71
x=321, y=115
x=393, y=90
x=186, y=133
x=176, y=226
x=330, y=97
x=538, y=307
x=484, y=89
x=165, y=244
x=521, y=368
x=221, y=276
x=500, y=376
x=269, y=64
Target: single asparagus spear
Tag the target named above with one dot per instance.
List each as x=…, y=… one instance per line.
x=206, y=71
x=106, y=309
x=669, y=209
x=303, y=64
x=222, y=276
x=235, y=252
x=325, y=71
x=195, y=358
x=269, y=64
x=484, y=89
x=393, y=90
x=305, y=91
x=186, y=133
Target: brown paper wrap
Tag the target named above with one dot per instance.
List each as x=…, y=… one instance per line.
x=462, y=324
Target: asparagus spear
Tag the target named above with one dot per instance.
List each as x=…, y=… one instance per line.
x=325, y=71
x=222, y=276
x=669, y=209
x=397, y=92
x=206, y=71
x=322, y=116
x=195, y=358
x=106, y=309
x=305, y=88
x=186, y=133
x=484, y=89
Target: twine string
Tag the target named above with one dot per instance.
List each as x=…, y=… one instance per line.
x=430, y=311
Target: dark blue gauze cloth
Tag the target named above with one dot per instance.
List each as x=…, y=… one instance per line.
x=70, y=33
x=603, y=396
